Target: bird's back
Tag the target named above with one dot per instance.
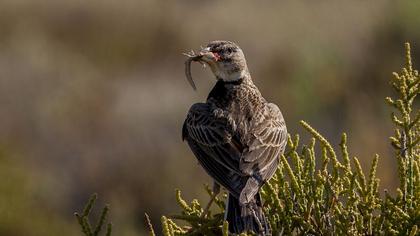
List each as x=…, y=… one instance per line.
x=246, y=119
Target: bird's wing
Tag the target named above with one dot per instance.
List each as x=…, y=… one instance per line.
x=211, y=137
x=267, y=140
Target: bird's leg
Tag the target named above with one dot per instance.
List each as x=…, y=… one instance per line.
x=215, y=192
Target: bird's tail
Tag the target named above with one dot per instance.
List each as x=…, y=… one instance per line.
x=246, y=218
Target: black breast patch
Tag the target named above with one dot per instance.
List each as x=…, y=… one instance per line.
x=219, y=91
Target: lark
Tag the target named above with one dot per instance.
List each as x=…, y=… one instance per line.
x=236, y=135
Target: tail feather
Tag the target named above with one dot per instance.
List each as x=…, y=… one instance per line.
x=248, y=218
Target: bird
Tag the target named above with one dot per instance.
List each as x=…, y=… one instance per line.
x=236, y=135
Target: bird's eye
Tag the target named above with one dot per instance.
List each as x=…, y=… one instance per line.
x=229, y=50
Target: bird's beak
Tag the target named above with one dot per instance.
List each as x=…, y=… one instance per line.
x=208, y=56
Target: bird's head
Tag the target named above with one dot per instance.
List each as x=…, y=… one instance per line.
x=226, y=60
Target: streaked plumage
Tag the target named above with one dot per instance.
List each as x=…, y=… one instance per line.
x=237, y=136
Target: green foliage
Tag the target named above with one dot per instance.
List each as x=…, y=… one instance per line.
x=84, y=222
x=200, y=222
x=319, y=190
x=304, y=199
x=149, y=225
x=403, y=211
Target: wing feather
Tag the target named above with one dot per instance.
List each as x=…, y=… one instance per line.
x=268, y=142
x=222, y=153
x=212, y=142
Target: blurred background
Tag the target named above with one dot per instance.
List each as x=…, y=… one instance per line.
x=93, y=95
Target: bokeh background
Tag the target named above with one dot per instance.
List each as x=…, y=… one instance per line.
x=93, y=95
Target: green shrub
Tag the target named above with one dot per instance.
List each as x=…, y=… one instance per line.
x=84, y=221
